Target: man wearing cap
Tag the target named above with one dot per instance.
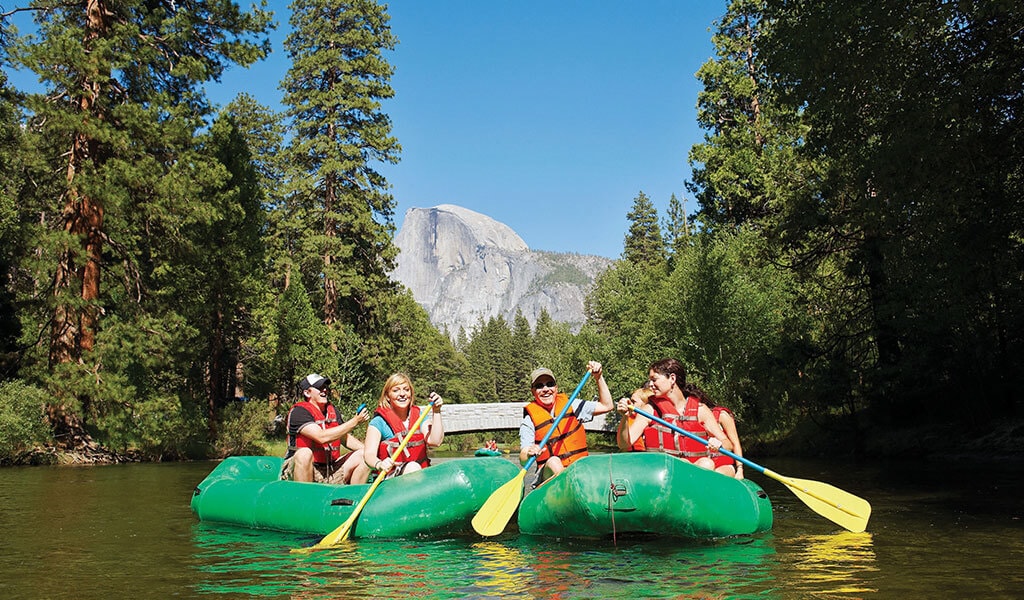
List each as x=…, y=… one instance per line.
x=314, y=438
x=568, y=442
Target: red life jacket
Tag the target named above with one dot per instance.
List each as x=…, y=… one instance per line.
x=320, y=452
x=722, y=460
x=568, y=442
x=658, y=438
x=415, y=450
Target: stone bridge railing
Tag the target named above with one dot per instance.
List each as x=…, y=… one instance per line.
x=462, y=418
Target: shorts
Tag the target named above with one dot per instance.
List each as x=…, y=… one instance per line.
x=397, y=470
x=322, y=472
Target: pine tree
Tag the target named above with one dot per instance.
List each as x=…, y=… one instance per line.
x=677, y=230
x=644, y=243
x=231, y=267
x=522, y=352
x=338, y=211
x=12, y=151
x=123, y=100
x=748, y=162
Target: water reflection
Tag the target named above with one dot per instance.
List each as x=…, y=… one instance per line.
x=500, y=571
x=835, y=564
x=242, y=562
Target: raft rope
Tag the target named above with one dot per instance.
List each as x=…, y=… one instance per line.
x=611, y=498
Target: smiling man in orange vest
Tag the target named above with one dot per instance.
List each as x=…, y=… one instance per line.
x=568, y=442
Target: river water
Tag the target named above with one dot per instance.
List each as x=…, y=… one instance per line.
x=938, y=530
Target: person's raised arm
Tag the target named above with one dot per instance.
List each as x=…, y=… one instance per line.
x=604, y=395
x=640, y=422
x=324, y=436
x=433, y=429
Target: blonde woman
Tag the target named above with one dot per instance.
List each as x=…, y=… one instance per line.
x=396, y=413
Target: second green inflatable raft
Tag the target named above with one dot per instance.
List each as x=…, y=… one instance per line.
x=643, y=493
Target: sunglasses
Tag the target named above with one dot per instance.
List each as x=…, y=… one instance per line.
x=544, y=384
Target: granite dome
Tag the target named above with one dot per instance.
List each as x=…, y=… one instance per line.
x=463, y=266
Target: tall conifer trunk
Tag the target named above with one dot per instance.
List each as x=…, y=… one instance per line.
x=74, y=328
x=73, y=331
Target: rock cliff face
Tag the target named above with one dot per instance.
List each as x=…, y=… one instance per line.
x=463, y=266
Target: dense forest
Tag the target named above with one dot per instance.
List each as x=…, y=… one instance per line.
x=852, y=259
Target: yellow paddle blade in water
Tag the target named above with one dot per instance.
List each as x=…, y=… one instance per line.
x=840, y=507
x=494, y=515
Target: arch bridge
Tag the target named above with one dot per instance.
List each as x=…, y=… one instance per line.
x=497, y=416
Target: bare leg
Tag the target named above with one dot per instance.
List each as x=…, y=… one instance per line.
x=705, y=463
x=355, y=469
x=302, y=465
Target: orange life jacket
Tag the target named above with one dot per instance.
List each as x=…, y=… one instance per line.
x=638, y=445
x=569, y=440
x=658, y=438
x=415, y=450
x=321, y=452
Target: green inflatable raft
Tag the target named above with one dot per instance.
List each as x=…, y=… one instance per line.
x=643, y=493
x=438, y=501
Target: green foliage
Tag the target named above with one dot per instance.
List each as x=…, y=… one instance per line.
x=555, y=347
x=750, y=164
x=243, y=429
x=337, y=221
x=492, y=371
x=561, y=272
x=620, y=308
x=860, y=195
x=301, y=338
x=522, y=349
x=729, y=318
x=13, y=148
x=915, y=109
x=644, y=243
x=132, y=393
x=676, y=227
x=410, y=344
x=23, y=422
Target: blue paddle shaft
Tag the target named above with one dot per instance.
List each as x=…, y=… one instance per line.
x=732, y=455
x=554, y=425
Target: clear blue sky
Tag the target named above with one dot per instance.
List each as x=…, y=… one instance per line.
x=549, y=116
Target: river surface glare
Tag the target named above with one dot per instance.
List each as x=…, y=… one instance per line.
x=951, y=529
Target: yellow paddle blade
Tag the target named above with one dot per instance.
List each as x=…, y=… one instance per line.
x=494, y=515
x=332, y=538
x=339, y=534
x=840, y=507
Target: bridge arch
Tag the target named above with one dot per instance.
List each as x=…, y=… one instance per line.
x=499, y=416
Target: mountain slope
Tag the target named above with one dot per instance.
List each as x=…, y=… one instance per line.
x=463, y=266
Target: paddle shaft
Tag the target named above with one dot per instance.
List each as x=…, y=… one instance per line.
x=749, y=463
